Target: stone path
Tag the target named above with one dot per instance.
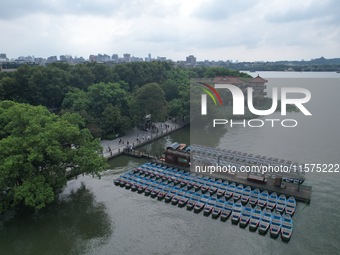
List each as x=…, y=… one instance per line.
x=136, y=137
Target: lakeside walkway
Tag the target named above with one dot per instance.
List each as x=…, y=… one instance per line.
x=135, y=138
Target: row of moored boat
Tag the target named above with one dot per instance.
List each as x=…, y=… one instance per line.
x=260, y=210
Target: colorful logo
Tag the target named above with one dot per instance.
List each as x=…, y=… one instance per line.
x=211, y=89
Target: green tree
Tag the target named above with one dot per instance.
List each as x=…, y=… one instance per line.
x=38, y=150
x=111, y=119
x=170, y=88
x=76, y=100
x=103, y=94
x=149, y=99
x=81, y=77
x=103, y=73
x=48, y=86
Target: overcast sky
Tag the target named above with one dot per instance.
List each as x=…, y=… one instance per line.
x=243, y=30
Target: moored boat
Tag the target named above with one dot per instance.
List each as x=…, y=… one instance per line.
x=116, y=181
x=227, y=210
x=184, y=182
x=276, y=224
x=155, y=191
x=220, y=192
x=198, y=184
x=148, y=190
x=272, y=200
x=281, y=203
x=177, y=197
x=245, y=195
x=213, y=188
x=170, y=194
x=238, y=192
x=205, y=187
x=290, y=205
x=192, y=201
x=266, y=219
x=184, y=199
x=218, y=208
x=162, y=193
x=230, y=190
x=122, y=182
x=134, y=185
x=142, y=187
x=190, y=184
x=209, y=206
x=254, y=197
x=245, y=215
x=128, y=184
x=199, y=205
x=255, y=218
x=287, y=227
x=222, y=189
x=236, y=214
x=263, y=198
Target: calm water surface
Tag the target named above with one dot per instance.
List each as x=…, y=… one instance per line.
x=93, y=216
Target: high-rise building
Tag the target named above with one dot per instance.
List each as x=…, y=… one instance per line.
x=115, y=58
x=126, y=57
x=93, y=58
x=3, y=57
x=52, y=59
x=191, y=60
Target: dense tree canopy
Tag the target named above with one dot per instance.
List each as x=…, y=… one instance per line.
x=49, y=115
x=38, y=149
x=96, y=91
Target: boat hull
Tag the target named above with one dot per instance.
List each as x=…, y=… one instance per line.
x=198, y=209
x=235, y=219
x=274, y=233
x=182, y=203
x=263, y=231
x=253, y=226
x=207, y=211
x=215, y=214
x=190, y=206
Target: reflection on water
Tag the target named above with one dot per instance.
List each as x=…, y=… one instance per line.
x=70, y=226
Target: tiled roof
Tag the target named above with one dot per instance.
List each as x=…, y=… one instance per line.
x=227, y=80
x=258, y=79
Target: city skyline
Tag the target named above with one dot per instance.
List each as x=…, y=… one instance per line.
x=127, y=57
x=213, y=30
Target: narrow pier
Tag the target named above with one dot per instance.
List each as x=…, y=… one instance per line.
x=136, y=138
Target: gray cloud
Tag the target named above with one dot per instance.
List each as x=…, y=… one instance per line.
x=221, y=9
x=322, y=11
x=288, y=28
x=126, y=9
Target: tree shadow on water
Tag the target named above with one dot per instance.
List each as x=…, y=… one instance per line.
x=71, y=225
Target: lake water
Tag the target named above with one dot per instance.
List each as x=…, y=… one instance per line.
x=93, y=216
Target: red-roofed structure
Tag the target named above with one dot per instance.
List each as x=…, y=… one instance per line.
x=258, y=85
x=233, y=80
